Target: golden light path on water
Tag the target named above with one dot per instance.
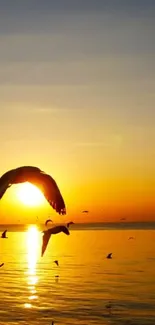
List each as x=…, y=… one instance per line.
x=33, y=250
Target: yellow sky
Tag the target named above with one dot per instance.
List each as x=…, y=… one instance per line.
x=77, y=100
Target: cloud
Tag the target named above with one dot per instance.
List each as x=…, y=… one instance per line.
x=115, y=140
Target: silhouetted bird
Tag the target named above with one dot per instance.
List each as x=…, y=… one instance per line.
x=38, y=178
x=52, y=231
x=85, y=211
x=109, y=307
x=109, y=255
x=56, y=262
x=70, y=223
x=4, y=234
x=123, y=219
x=1, y=264
x=47, y=221
x=56, y=278
x=130, y=238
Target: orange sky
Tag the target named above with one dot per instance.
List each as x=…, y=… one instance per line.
x=77, y=100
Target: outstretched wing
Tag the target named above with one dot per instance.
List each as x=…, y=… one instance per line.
x=46, y=238
x=37, y=177
x=4, y=234
x=50, y=190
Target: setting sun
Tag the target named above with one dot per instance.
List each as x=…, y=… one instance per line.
x=30, y=194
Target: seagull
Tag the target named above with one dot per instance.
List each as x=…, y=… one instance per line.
x=70, y=223
x=130, y=238
x=48, y=220
x=52, y=231
x=85, y=211
x=38, y=178
x=1, y=264
x=4, y=234
x=56, y=262
x=109, y=307
x=109, y=255
x=56, y=278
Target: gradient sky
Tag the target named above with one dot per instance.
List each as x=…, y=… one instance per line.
x=77, y=100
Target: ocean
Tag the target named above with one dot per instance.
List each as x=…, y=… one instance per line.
x=86, y=288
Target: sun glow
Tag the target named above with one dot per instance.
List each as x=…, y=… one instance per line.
x=30, y=194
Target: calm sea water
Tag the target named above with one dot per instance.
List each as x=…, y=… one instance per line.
x=88, y=282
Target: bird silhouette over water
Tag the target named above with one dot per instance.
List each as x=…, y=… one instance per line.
x=52, y=231
x=85, y=211
x=109, y=255
x=130, y=238
x=47, y=221
x=4, y=234
x=70, y=223
x=109, y=307
x=1, y=264
x=38, y=178
x=56, y=262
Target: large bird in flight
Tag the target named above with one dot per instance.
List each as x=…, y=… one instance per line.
x=52, y=231
x=38, y=178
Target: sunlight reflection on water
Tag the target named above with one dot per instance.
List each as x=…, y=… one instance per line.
x=32, y=256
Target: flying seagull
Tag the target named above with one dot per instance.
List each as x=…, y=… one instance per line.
x=85, y=211
x=1, y=264
x=109, y=255
x=109, y=307
x=52, y=231
x=38, y=178
x=56, y=262
x=130, y=238
x=4, y=234
x=47, y=221
x=70, y=223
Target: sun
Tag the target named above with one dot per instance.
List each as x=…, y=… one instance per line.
x=30, y=195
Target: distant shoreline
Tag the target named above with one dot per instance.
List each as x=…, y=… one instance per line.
x=87, y=226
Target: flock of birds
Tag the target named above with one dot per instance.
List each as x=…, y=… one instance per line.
x=51, y=192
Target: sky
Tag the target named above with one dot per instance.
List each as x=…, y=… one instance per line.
x=77, y=100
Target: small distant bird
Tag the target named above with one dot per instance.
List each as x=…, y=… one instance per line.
x=109, y=255
x=52, y=231
x=109, y=307
x=56, y=262
x=122, y=219
x=1, y=264
x=4, y=234
x=47, y=221
x=37, y=177
x=130, y=238
x=70, y=223
x=85, y=211
x=56, y=278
